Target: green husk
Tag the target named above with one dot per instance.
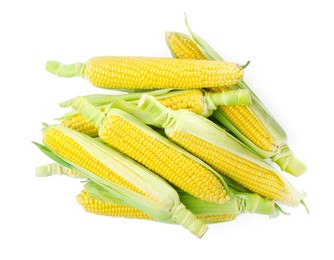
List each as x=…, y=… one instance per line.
x=208, y=131
x=164, y=204
x=281, y=154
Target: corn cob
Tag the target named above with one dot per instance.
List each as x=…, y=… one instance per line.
x=253, y=125
x=197, y=101
x=100, y=207
x=119, y=175
x=150, y=73
x=138, y=141
x=94, y=199
x=221, y=151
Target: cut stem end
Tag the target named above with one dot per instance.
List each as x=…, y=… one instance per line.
x=231, y=97
x=189, y=221
x=90, y=112
x=288, y=162
x=66, y=71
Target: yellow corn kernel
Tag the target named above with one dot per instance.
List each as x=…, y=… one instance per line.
x=68, y=148
x=192, y=101
x=183, y=47
x=100, y=207
x=244, y=120
x=167, y=162
x=247, y=173
x=151, y=73
x=79, y=123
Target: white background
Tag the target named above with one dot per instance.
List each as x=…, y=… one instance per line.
x=290, y=45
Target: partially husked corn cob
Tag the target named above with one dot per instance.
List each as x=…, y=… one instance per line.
x=107, y=206
x=95, y=200
x=138, y=141
x=118, y=175
x=221, y=151
x=150, y=73
x=197, y=101
x=252, y=124
x=100, y=207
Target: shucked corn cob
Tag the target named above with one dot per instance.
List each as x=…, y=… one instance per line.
x=95, y=199
x=221, y=151
x=252, y=124
x=151, y=73
x=197, y=101
x=138, y=141
x=119, y=175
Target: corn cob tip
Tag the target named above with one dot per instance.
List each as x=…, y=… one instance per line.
x=289, y=163
x=66, y=71
x=43, y=171
x=168, y=34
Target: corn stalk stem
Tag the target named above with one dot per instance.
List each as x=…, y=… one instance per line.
x=65, y=71
x=231, y=97
x=188, y=220
x=89, y=111
x=159, y=113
